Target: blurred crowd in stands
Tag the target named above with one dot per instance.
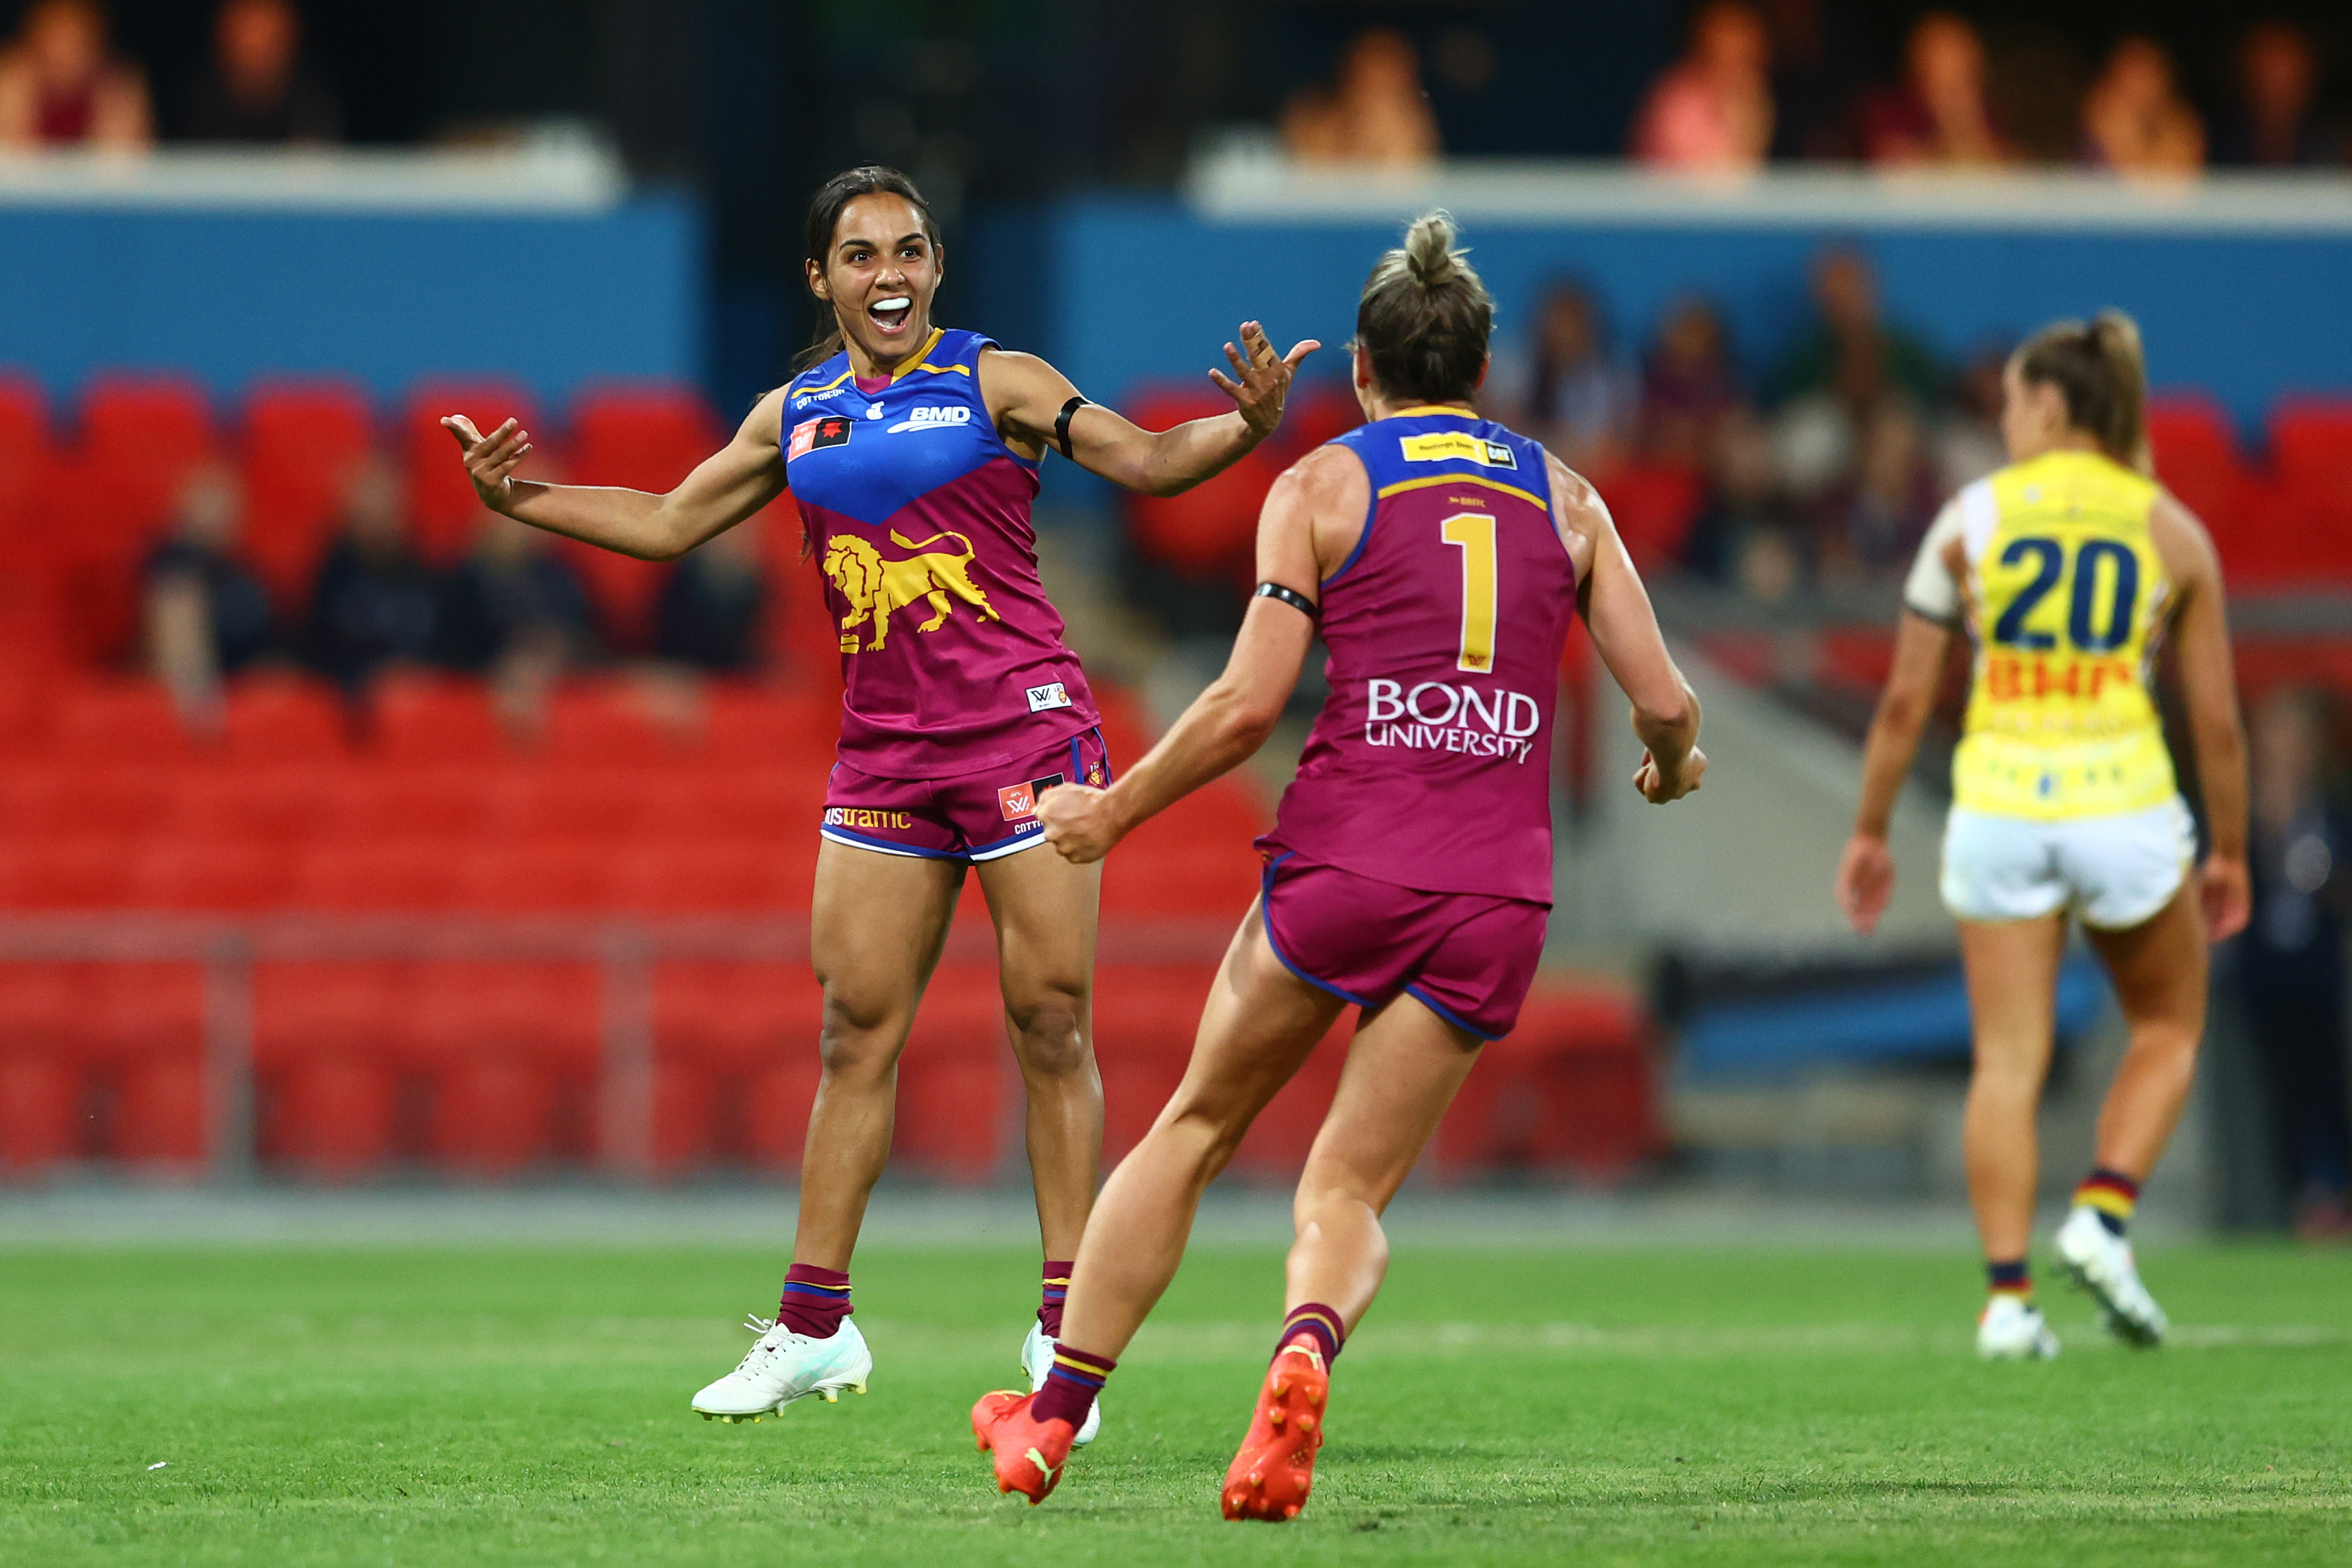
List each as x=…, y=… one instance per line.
x=62, y=85
x=1786, y=79
x=1826, y=466
x=512, y=609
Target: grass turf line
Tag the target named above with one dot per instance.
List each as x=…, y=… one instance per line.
x=1730, y=1408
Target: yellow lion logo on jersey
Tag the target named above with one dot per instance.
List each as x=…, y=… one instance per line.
x=876, y=588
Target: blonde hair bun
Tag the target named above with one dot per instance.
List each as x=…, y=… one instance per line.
x=1429, y=252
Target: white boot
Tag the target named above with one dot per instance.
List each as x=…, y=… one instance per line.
x=2100, y=1261
x=1037, y=1361
x=2011, y=1329
x=783, y=1366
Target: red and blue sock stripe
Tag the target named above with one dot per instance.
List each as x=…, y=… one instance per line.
x=1071, y=1387
x=1056, y=1292
x=1320, y=1324
x=814, y=1301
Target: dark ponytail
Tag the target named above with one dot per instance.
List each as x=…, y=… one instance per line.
x=2100, y=369
x=1424, y=318
x=825, y=212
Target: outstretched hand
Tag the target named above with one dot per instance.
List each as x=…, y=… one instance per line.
x=490, y=459
x=1265, y=377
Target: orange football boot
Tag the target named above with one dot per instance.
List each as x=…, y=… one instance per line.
x=1029, y=1454
x=1274, y=1470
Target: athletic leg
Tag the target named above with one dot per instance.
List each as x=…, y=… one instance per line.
x=2013, y=977
x=879, y=923
x=1045, y=911
x=876, y=929
x=1403, y=1069
x=1260, y=1024
x=2158, y=969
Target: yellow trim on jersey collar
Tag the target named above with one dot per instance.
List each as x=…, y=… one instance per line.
x=1425, y=480
x=917, y=361
x=1421, y=409
x=828, y=386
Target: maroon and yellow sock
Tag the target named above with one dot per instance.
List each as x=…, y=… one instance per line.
x=814, y=1301
x=1316, y=1323
x=1071, y=1387
x=2009, y=1279
x=1057, y=1290
x=2112, y=1194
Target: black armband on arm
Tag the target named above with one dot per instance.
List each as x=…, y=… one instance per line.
x=1296, y=600
x=1061, y=425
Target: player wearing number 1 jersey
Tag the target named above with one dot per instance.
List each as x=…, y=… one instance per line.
x=2069, y=567
x=1409, y=872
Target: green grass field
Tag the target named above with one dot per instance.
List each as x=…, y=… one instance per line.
x=1607, y=1406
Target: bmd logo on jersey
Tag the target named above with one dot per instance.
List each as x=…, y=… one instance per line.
x=1454, y=446
x=932, y=418
x=826, y=430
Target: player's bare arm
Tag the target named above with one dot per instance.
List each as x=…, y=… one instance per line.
x=1026, y=397
x=1616, y=609
x=2208, y=684
x=1307, y=528
x=1865, y=879
x=723, y=489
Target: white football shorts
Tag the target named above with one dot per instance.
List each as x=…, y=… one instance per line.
x=2113, y=872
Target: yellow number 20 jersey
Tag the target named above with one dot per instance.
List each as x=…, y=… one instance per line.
x=2068, y=597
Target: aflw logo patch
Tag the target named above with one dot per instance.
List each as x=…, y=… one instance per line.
x=1019, y=801
x=1453, y=445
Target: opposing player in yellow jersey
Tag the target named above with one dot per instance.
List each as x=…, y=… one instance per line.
x=2069, y=568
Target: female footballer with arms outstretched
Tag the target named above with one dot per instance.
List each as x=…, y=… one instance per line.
x=1409, y=871
x=912, y=452
x=2068, y=567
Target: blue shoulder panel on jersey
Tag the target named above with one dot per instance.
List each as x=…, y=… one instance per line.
x=864, y=455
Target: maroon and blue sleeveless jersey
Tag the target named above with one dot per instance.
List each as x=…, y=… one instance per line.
x=951, y=656
x=1430, y=766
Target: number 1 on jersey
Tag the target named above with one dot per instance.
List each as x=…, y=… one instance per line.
x=1473, y=531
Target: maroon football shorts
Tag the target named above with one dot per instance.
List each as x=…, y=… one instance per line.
x=1467, y=957
x=980, y=816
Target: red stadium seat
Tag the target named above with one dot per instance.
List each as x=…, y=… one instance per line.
x=324, y=1063
x=69, y=798
x=1571, y=1089
x=1654, y=509
x=409, y=872
x=1146, y=1015
x=1211, y=530
x=278, y=719
x=644, y=437
x=713, y=876
x=605, y=721
x=736, y=1064
x=535, y=876
x=25, y=458
x=210, y=874
x=119, y=721
x=1195, y=859
x=145, y=1022
x=284, y=804
x=448, y=514
x=42, y=1006
x=955, y=1076
x=513, y=1051
x=302, y=442
x=746, y=724
x=450, y=802
x=80, y=871
x=429, y=718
